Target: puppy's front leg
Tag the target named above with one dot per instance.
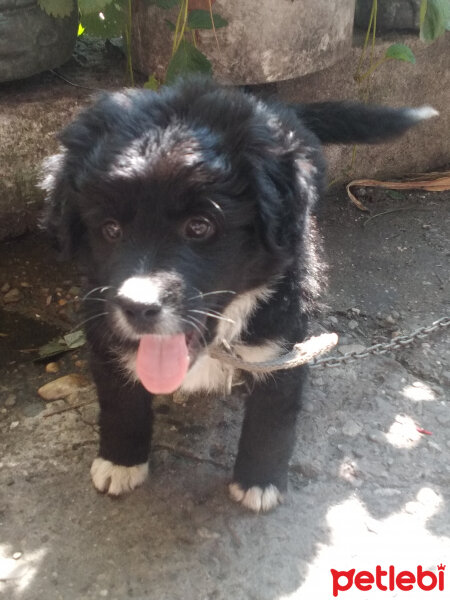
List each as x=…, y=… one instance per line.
x=267, y=441
x=125, y=431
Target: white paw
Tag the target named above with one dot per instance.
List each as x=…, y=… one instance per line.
x=117, y=479
x=256, y=498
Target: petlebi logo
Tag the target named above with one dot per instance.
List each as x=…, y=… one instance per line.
x=388, y=579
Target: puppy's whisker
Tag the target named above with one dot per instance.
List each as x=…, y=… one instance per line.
x=200, y=323
x=209, y=314
x=202, y=295
x=89, y=319
x=215, y=312
x=95, y=298
x=189, y=322
x=101, y=288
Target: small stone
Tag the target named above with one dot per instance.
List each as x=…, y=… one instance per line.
x=395, y=315
x=74, y=291
x=10, y=401
x=333, y=320
x=352, y=324
x=80, y=363
x=52, y=367
x=17, y=555
x=389, y=320
x=5, y=288
x=14, y=424
x=62, y=387
x=103, y=593
x=25, y=284
x=13, y=295
x=351, y=428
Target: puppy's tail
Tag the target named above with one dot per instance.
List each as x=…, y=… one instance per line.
x=353, y=122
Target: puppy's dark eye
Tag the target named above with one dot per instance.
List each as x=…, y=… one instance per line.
x=112, y=231
x=199, y=228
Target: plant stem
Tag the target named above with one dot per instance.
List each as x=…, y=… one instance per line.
x=128, y=44
x=212, y=23
x=180, y=26
x=372, y=69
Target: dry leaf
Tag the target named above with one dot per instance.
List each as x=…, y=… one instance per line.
x=430, y=182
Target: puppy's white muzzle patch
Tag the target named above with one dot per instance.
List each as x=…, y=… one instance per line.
x=140, y=309
x=140, y=289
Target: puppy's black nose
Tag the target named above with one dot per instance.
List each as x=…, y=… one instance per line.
x=138, y=313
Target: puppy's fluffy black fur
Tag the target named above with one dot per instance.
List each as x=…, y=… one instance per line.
x=200, y=196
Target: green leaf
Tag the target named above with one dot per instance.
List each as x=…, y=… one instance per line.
x=58, y=346
x=108, y=23
x=152, y=83
x=436, y=20
x=201, y=19
x=400, y=52
x=187, y=59
x=76, y=339
x=87, y=7
x=57, y=8
x=80, y=29
x=52, y=349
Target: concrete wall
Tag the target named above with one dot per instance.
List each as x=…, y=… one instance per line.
x=396, y=83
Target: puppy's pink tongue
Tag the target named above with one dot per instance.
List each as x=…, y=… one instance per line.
x=162, y=362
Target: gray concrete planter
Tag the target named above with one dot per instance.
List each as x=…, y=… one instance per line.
x=264, y=41
x=31, y=41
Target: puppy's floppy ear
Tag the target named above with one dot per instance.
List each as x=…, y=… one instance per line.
x=61, y=217
x=284, y=183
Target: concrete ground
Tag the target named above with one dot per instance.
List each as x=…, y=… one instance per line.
x=370, y=475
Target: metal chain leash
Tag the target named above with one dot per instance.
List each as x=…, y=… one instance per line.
x=309, y=350
x=398, y=343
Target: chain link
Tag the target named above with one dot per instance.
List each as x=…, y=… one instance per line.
x=398, y=343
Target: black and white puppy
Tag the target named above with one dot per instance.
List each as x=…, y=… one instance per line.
x=190, y=211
